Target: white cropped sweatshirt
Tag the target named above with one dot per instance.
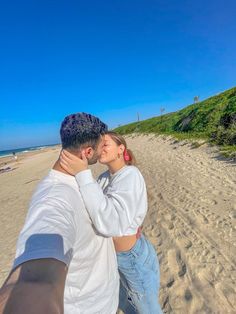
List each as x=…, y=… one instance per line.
x=116, y=203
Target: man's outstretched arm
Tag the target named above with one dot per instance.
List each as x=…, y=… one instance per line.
x=36, y=286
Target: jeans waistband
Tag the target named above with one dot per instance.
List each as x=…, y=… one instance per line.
x=135, y=250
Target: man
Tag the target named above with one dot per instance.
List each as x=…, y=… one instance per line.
x=62, y=265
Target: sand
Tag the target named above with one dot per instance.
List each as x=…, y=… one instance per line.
x=191, y=219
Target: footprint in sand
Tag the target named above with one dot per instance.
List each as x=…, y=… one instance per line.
x=201, y=218
x=176, y=263
x=167, y=224
x=156, y=232
x=183, y=241
x=206, y=276
x=232, y=214
x=218, y=269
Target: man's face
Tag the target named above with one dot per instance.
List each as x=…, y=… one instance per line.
x=97, y=152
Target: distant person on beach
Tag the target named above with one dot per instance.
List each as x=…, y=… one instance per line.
x=117, y=205
x=62, y=265
x=14, y=156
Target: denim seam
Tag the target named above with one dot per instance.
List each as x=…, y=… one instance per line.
x=135, y=266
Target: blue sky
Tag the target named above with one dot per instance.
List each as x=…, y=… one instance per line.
x=110, y=58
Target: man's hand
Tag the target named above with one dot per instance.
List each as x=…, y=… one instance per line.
x=71, y=163
x=34, y=287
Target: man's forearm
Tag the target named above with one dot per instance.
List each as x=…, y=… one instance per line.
x=30, y=298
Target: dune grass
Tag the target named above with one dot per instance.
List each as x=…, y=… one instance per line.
x=212, y=120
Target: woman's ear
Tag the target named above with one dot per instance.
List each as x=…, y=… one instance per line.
x=121, y=149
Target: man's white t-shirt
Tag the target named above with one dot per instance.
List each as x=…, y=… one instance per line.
x=58, y=226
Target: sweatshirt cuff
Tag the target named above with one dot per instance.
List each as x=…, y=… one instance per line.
x=84, y=177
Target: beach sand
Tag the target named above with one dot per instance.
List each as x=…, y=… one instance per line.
x=191, y=218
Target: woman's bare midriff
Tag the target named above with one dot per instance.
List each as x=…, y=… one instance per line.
x=124, y=243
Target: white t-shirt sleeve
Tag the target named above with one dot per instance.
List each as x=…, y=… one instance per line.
x=49, y=232
x=114, y=213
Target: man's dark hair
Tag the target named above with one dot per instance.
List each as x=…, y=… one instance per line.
x=81, y=128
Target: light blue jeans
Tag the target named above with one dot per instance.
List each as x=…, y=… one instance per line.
x=139, y=279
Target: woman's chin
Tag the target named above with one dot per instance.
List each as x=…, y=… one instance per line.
x=103, y=162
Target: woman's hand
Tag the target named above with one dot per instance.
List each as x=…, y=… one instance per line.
x=73, y=164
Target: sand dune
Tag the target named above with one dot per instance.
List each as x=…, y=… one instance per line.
x=191, y=219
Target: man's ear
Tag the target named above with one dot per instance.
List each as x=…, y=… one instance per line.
x=89, y=152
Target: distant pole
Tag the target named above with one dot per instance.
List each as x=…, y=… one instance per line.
x=138, y=116
x=196, y=99
x=162, y=110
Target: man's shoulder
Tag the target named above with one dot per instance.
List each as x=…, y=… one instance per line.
x=60, y=191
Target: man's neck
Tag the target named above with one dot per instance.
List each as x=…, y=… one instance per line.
x=58, y=167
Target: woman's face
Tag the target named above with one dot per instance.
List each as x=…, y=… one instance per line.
x=110, y=151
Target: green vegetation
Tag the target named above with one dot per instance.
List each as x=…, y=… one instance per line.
x=228, y=151
x=213, y=119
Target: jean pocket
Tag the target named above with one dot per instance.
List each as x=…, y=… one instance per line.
x=148, y=257
x=132, y=278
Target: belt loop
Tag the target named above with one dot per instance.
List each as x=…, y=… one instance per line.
x=134, y=253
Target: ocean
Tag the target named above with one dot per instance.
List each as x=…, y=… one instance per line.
x=5, y=153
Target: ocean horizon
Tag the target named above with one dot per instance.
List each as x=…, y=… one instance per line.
x=9, y=152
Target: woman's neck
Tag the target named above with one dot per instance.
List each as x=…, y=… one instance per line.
x=116, y=166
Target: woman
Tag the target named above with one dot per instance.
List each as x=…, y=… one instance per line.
x=117, y=205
